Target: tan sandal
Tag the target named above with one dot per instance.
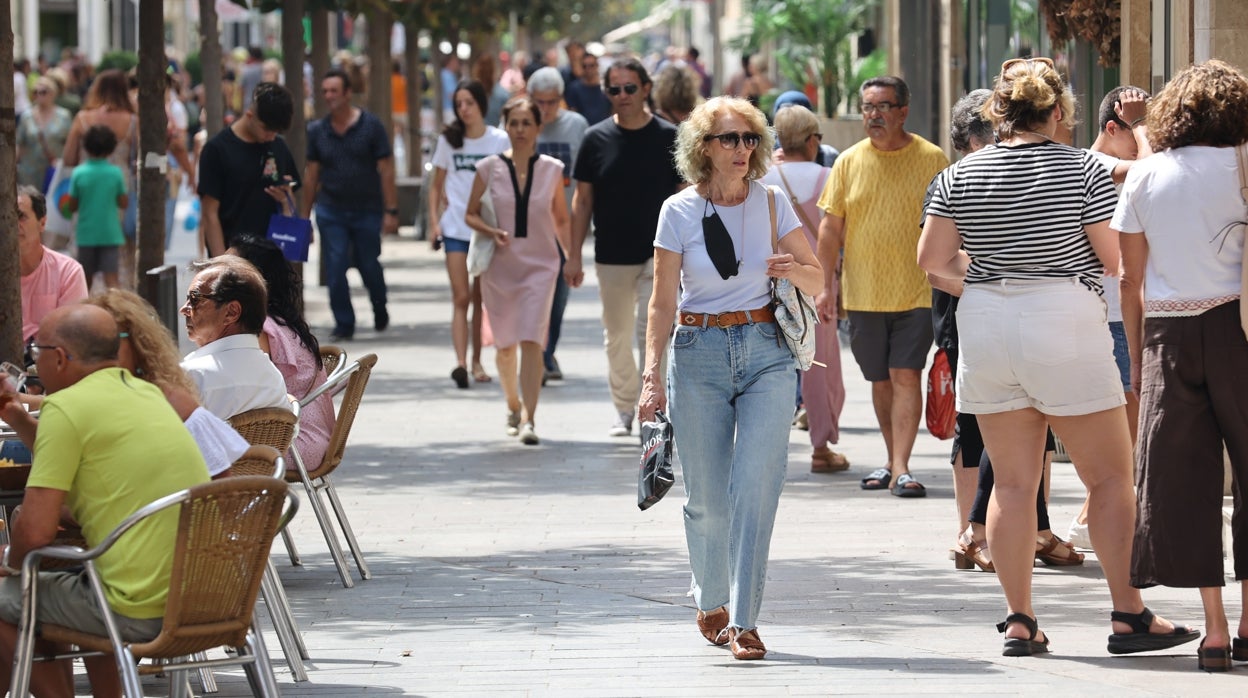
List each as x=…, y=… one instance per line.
x=745, y=644
x=969, y=555
x=1048, y=554
x=714, y=626
x=479, y=374
x=825, y=460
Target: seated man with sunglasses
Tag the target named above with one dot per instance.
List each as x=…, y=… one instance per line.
x=624, y=172
x=225, y=310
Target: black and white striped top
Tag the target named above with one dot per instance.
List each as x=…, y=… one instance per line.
x=1021, y=211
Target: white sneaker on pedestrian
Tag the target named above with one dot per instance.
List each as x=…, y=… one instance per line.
x=528, y=437
x=513, y=423
x=1077, y=535
x=623, y=425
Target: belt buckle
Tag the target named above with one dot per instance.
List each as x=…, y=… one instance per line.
x=725, y=320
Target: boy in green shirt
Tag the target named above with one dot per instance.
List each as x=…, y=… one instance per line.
x=97, y=193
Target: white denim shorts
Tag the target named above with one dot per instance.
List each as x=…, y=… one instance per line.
x=1043, y=344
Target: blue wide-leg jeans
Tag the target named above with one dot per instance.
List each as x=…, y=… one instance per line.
x=730, y=398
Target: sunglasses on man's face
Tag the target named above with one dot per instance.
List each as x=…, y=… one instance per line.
x=630, y=88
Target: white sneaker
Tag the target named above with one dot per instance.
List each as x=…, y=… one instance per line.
x=513, y=423
x=623, y=425
x=528, y=437
x=1077, y=535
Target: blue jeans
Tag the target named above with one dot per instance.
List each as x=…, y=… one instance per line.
x=344, y=232
x=730, y=398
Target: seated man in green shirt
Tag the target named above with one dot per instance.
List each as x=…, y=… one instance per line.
x=107, y=444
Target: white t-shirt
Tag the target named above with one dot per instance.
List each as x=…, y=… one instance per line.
x=702, y=290
x=804, y=176
x=461, y=168
x=1186, y=201
x=1113, y=299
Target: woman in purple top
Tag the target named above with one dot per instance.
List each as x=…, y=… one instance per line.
x=289, y=342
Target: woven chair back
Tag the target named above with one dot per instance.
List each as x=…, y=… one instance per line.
x=351, y=397
x=267, y=426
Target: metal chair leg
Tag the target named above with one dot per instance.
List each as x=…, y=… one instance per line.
x=289, y=541
x=327, y=529
x=261, y=669
x=287, y=612
x=283, y=624
x=346, y=528
x=206, y=679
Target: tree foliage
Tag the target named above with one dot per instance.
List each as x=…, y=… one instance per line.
x=815, y=36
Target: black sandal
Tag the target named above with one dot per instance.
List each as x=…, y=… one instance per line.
x=1213, y=658
x=1017, y=646
x=1140, y=639
x=1240, y=651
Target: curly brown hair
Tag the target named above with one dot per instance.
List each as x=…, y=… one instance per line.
x=154, y=349
x=1206, y=104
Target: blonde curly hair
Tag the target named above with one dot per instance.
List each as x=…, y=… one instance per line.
x=1024, y=96
x=1206, y=104
x=154, y=349
x=691, y=158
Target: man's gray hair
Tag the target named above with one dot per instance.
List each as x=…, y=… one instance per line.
x=546, y=79
x=967, y=124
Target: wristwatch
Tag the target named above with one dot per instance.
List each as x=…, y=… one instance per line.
x=392, y=212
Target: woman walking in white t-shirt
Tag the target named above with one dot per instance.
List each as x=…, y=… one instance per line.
x=1026, y=224
x=1181, y=295
x=464, y=142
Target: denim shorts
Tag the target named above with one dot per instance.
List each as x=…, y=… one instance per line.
x=455, y=245
x=1121, y=357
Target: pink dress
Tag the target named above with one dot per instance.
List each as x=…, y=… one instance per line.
x=303, y=372
x=518, y=288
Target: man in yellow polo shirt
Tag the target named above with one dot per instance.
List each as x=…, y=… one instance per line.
x=872, y=199
x=106, y=445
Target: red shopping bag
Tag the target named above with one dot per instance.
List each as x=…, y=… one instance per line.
x=941, y=413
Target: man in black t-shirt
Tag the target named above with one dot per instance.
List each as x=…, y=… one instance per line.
x=246, y=169
x=624, y=172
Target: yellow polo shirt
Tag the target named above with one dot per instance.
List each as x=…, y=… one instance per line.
x=880, y=195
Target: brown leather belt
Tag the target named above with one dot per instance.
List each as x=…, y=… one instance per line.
x=736, y=317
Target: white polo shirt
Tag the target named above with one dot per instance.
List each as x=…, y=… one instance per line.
x=233, y=376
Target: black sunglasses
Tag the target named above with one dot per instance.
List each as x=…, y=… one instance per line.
x=730, y=140
x=193, y=297
x=630, y=88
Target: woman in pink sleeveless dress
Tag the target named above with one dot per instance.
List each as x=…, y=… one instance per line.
x=801, y=181
x=518, y=288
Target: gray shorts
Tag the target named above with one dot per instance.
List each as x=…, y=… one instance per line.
x=66, y=598
x=881, y=341
x=104, y=258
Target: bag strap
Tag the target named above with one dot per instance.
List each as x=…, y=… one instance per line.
x=797, y=205
x=771, y=208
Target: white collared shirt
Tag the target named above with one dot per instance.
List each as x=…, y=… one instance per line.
x=233, y=376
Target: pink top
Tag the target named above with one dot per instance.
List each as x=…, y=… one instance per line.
x=303, y=372
x=57, y=281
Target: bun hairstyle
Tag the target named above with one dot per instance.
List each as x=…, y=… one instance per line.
x=1025, y=95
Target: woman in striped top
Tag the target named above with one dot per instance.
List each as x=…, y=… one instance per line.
x=1026, y=224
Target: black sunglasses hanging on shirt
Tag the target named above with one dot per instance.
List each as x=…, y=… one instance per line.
x=719, y=243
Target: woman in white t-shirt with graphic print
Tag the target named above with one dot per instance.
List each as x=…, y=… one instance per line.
x=731, y=377
x=465, y=141
x=1026, y=224
x=1182, y=223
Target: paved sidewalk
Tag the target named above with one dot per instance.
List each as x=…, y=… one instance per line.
x=500, y=569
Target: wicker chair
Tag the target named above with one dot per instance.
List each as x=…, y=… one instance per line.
x=271, y=430
x=333, y=358
x=225, y=529
x=317, y=479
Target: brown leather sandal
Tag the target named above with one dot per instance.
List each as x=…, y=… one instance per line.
x=745, y=644
x=1048, y=555
x=825, y=460
x=968, y=556
x=714, y=626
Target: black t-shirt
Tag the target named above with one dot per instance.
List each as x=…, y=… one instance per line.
x=944, y=305
x=633, y=172
x=235, y=173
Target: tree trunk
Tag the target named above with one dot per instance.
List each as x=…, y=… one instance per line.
x=380, y=22
x=415, y=78
x=10, y=265
x=210, y=63
x=292, y=64
x=153, y=141
x=320, y=59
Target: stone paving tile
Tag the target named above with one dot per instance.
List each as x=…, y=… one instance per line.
x=504, y=570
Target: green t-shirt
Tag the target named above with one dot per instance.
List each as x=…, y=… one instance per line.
x=96, y=184
x=114, y=444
